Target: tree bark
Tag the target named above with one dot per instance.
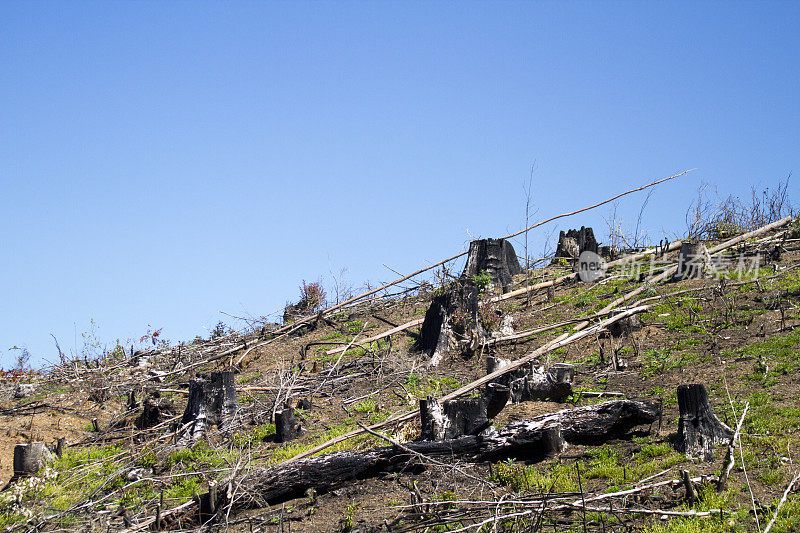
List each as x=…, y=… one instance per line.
x=526, y=439
x=211, y=402
x=699, y=429
x=495, y=256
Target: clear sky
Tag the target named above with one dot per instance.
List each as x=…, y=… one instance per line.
x=163, y=161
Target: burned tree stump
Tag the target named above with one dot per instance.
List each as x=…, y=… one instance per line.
x=693, y=261
x=154, y=411
x=211, y=402
x=453, y=419
x=573, y=243
x=495, y=256
x=287, y=425
x=699, y=429
x=529, y=383
x=625, y=326
x=29, y=458
x=452, y=323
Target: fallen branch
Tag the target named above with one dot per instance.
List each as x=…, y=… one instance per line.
x=380, y=336
x=780, y=504
x=730, y=457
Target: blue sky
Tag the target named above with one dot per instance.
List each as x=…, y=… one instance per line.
x=163, y=161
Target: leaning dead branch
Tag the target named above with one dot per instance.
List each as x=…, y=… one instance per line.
x=445, y=261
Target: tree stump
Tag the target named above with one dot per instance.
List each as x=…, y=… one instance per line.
x=495, y=256
x=609, y=253
x=625, y=326
x=211, y=402
x=699, y=429
x=287, y=425
x=453, y=419
x=573, y=243
x=154, y=411
x=29, y=458
x=693, y=261
x=452, y=323
x=529, y=383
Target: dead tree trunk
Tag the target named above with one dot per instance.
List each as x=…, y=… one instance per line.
x=693, y=261
x=452, y=323
x=453, y=419
x=287, y=426
x=211, y=402
x=526, y=439
x=699, y=429
x=574, y=242
x=534, y=383
x=29, y=458
x=495, y=256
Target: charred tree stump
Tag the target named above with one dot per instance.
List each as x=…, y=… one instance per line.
x=573, y=243
x=287, y=425
x=525, y=439
x=495, y=256
x=455, y=418
x=452, y=323
x=623, y=328
x=554, y=384
x=211, y=402
x=699, y=429
x=529, y=383
x=693, y=261
x=609, y=253
x=29, y=458
x=154, y=411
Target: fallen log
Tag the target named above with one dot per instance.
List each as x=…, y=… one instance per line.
x=547, y=348
x=531, y=439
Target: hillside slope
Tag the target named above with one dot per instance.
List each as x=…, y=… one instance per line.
x=738, y=337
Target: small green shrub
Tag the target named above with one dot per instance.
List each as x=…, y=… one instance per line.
x=482, y=280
